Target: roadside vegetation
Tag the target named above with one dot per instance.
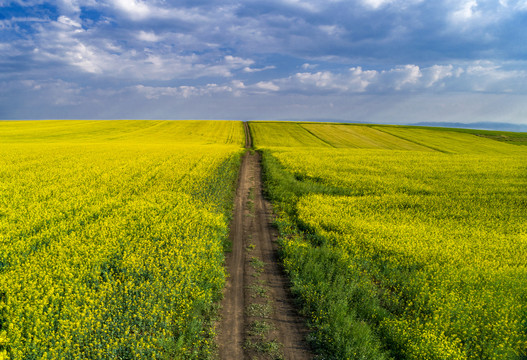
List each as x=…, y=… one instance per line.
x=112, y=237
x=402, y=243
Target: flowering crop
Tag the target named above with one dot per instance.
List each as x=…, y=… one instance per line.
x=419, y=253
x=111, y=237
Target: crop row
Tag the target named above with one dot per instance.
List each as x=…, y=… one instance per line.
x=113, y=250
x=406, y=254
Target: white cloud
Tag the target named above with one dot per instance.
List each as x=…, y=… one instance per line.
x=238, y=62
x=308, y=66
x=130, y=64
x=251, y=70
x=436, y=73
x=400, y=79
x=267, y=85
x=86, y=57
x=69, y=22
x=320, y=80
x=136, y=9
x=360, y=79
x=401, y=76
x=466, y=14
x=481, y=18
x=238, y=84
x=478, y=76
x=356, y=80
x=465, y=11
x=148, y=36
x=141, y=10
x=378, y=4
x=238, y=87
x=65, y=42
x=375, y=4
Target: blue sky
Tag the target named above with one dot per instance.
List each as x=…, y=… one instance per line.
x=382, y=61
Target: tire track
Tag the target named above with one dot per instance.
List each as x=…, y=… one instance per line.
x=254, y=242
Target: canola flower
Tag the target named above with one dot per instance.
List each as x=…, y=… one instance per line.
x=113, y=249
x=428, y=247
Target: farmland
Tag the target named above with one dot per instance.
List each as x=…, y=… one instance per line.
x=112, y=236
x=400, y=242
x=404, y=243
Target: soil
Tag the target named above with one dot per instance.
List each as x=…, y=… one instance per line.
x=258, y=316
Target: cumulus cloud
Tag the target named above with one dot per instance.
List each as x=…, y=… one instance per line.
x=466, y=10
x=375, y=4
x=361, y=79
x=267, y=86
x=65, y=42
x=320, y=80
x=148, y=36
x=238, y=61
x=157, y=51
x=144, y=10
x=477, y=76
x=401, y=76
x=436, y=73
x=137, y=9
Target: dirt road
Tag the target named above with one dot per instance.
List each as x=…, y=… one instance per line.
x=258, y=319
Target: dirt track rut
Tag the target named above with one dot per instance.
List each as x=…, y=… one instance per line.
x=258, y=318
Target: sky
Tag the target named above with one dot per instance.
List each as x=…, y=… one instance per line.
x=380, y=61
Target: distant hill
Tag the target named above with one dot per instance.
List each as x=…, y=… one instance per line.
x=476, y=125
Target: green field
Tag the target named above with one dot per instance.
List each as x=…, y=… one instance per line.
x=111, y=236
x=401, y=242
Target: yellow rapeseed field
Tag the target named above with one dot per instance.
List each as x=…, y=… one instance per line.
x=404, y=254
x=111, y=236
